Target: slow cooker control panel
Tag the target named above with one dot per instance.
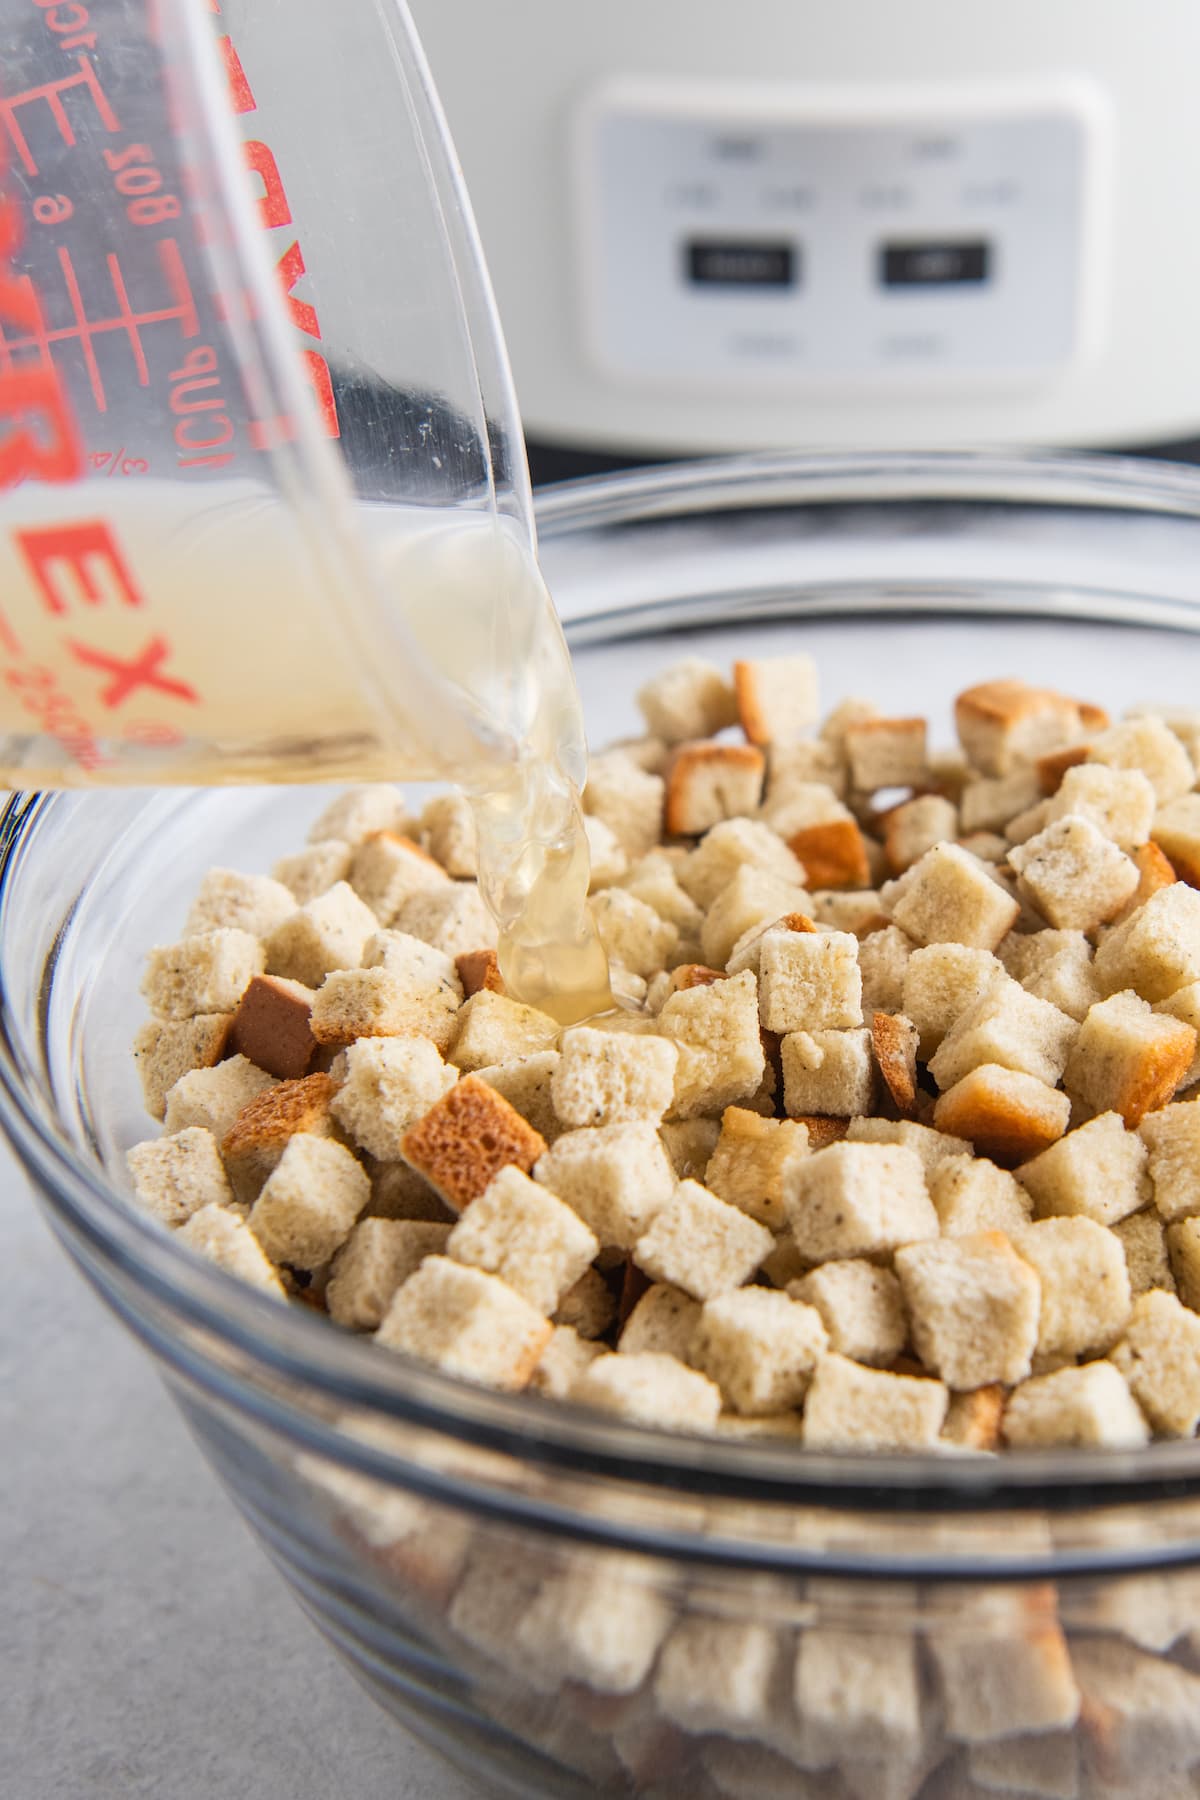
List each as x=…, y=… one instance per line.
x=781, y=238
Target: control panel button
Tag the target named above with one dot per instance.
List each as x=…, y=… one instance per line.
x=742, y=263
x=943, y=264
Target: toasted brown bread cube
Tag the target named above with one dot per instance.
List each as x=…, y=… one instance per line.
x=973, y=1306
x=256, y=1139
x=834, y=854
x=894, y=1043
x=479, y=972
x=708, y=782
x=164, y=1050
x=467, y=1322
x=1128, y=1059
x=466, y=1138
x=776, y=698
x=1002, y=722
x=271, y=1026
x=1007, y=1115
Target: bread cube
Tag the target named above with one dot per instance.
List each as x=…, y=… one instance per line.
x=1159, y=1356
x=931, y=1147
x=227, y=900
x=595, y=1624
x=662, y=1322
x=829, y=1072
x=716, y=1030
x=1073, y=874
x=989, y=802
x=949, y=897
x=1085, y=1286
x=466, y=1322
x=1177, y=832
x=886, y=753
x=628, y=800
x=851, y=1407
x=799, y=806
x=1183, y=1249
x=973, y=1308
x=834, y=853
x=450, y=916
x=1007, y=1115
x=1185, y=1005
x=605, y=854
x=398, y=1192
x=690, y=1143
x=616, y=1177
x=272, y=1026
x=653, y=879
x=1004, y=722
x=858, y=1695
x=700, y=1244
x=494, y=1029
x=314, y=871
x=883, y=958
x=1009, y=1027
x=359, y=1003
x=1172, y=1136
x=1120, y=802
x=390, y=1083
x=427, y=981
x=708, y=782
x=973, y=1420
x=521, y=1232
x=527, y=1085
x=1003, y=1667
x=164, y=1050
x=387, y=867
x=650, y=1388
x=562, y=1362
x=602, y=1079
x=861, y=1307
x=357, y=812
x=691, y=699
x=634, y=936
x=213, y=1097
x=1055, y=966
x=207, y=973
x=1096, y=1172
x=749, y=1161
x=224, y=1238
x=857, y=912
x=309, y=1202
x=262, y=1129
x=588, y=1305
x=1141, y=1719
x=173, y=1177
x=376, y=1258
x=466, y=1138
x=915, y=827
x=760, y=1347
x=858, y=1200
x=447, y=833
x=324, y=934
x=777, y=698
x=1154, y=874
x=809, y=981
x=1128, y=1059
x=1144, y=1241
x=727, y=847
x=1157, y=950
x=971, y=1194
x=754, y=897
x=716, y=1675
x=1149, y=745
x=939, y=983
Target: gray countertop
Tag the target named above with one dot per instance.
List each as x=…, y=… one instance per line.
x=147, y=1647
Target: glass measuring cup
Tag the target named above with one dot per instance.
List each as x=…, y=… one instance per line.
x=264, y=508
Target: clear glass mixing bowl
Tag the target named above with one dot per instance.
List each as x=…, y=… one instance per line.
x=502, y=1570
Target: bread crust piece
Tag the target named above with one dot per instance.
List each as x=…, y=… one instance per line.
x=894, y=1042
x=1002, y=721
x=466, y=1138
x=776, y=698
x=479, y=972
x=834, y=855
x=1008, y=1116
x=709, y=782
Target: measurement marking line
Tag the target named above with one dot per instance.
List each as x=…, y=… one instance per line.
x=117, y=277
x=84, y=333
x=181, y=288
x=51, y=92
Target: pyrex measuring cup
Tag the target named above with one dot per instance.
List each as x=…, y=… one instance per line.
x=264, y=511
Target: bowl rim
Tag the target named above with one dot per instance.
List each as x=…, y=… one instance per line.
x=110, y=1238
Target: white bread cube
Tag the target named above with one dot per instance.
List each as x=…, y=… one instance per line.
x=971, y=1194
x=224, y=1238
x=1003, y=1667
x=428, y=981
x=1045, y=1765
x=915, y=827
x=563, y=1361
x=858, y=1200
x=387, y=867
x=467, y=1322
x=861, y=1307
x=1091, y=1405
x=650, y=1388
x=754, y=897
x=1010, y=1027
x=886, y=753
x=988, y=802
x=1055, y=966
x=494, y=1029
x=309, y=1202
x=931, y=1147
x=973, y=1307
x=628, y=800
x=227, y=900
x=1183, y=1249
x=324, y=934
x=858, y=1694
x=1172, y=1136
x=359, y=1003
x=760, y=1347
x=173, y=1177
x=691, y=699
x=1159, y=1356
x=214, y=1097
x=828, y=1072
x=1141, y=1720
x=447, y=832
x=749, y=1161
x=451, y=916
x=700, y=1244
x=949, y=897
x=1006, y=1114
x=809, y=981
x=715, y=1675
x=616, y=1177
x=939, y=983
x=1149, y=745
x=1185, y=1005
x=1085, y=1286
x=1120, y=802
x=596, y=1624
x=164, y=1050
x=847, y=911
x=607, y=1079
x=634, y=936
x=716, y=1030
x=528, y=1085
x=314, y=871
x=1128, y=1059
x=608, y=860
x=690, y=1143
x=852, y=1407
x=653, y=879
x=521, y=1232
x=808, y=760
x=587, y=1306
x=206, y=973
x=883, y=958
x=356, y=813
x=1144, y=1240
x=1097, y=1171
x=1005, y=722
x=777, y=697
x=729, y=846
x=389, y=1084
x=663, y=1322
x=708, y=782
x=1157, y=949
x=376, y=1258
x=1073, y=874
x=799, y=805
